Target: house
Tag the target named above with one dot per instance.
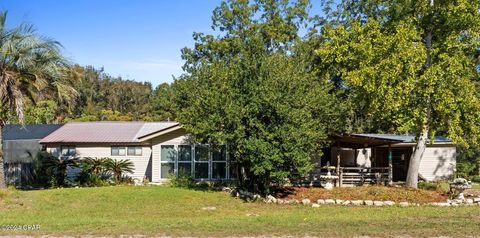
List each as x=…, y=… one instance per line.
x=360, y=158
x=157, y=149
x=20, y=145
x=160, y=149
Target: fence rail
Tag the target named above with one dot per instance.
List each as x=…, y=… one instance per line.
x=351, y=176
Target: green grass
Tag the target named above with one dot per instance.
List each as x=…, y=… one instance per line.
x=178, y=212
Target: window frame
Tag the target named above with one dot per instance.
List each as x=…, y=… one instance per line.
x=135, y=147
x=198, y=162
x=69, y=148
x=174, y=162
x=183, y=162
x=118, y=147
x=224, y=160
x=194, y=163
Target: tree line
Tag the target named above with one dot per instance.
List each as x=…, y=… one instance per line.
x=274, y=82
x=98, y=96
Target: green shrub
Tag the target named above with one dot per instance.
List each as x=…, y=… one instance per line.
x=181, y=181
x=475, y=179
x=126, y=180
x=440, y=186
x=465, y=169
x=97, y=172
x=119, y=168
x=41, y=176
x=94, y=172
x=50, y=171
x=427, y=186
x=59, y=168
x=88, y=179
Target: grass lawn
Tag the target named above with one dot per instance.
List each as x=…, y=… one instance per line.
x=178, y=212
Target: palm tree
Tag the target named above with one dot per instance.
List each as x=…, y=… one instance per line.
x=119, y=168
x=59, y=167
x=95, y=165
x=29, y=64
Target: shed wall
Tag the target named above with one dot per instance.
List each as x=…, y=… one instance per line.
x=438, y=163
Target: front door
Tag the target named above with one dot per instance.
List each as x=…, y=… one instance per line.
x=400, y=160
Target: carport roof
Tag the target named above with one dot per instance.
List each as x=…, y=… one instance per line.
x=357, y=141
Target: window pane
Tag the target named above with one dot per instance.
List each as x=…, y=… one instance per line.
x=184, y=153
x=168, y=153
x=138, y=150
x=134, y=150
x=131, y=150
x=64, y=151
x=184, y=169
x=219, y=154
x=201, y=153
x=121, y=151
x=219, y=170
x=201, y=170
x=167, y=169
x=114, y=150
x=68, y=150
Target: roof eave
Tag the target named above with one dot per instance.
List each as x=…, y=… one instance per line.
x=159, y=133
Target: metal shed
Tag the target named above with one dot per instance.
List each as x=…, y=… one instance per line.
x=20, y=145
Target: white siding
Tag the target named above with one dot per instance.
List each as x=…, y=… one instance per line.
x=177, y=137
x=347, y=157
x=141, y=163
x=438, y=162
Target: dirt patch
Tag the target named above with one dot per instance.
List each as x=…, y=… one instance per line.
x=379, y=193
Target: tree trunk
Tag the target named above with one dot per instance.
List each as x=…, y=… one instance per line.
x=3, y=185
x=415, y=159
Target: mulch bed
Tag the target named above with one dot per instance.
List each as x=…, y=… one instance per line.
x=378, y=193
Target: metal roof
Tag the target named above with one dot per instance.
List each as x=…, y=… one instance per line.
x=357, y=141
x=104, y=132
x=405, y=138
x=28, y=132
x=152, y=127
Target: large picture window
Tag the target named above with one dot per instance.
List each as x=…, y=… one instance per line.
x=198, y=161
x=219, y=163
x=184, y=160
x=167, y=160
x=201, y=162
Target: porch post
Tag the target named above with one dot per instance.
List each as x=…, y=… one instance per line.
x=390, y=165
x=355, y=154
x=339, y=180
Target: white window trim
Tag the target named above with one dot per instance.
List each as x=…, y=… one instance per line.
x=135, y=150
x=169, y=162
x=194, y=162
x=191, y=162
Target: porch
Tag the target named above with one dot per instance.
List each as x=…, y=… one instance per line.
x=361, y=159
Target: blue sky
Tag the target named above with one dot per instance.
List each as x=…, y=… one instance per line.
x=138, y=40
x=134, y=39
